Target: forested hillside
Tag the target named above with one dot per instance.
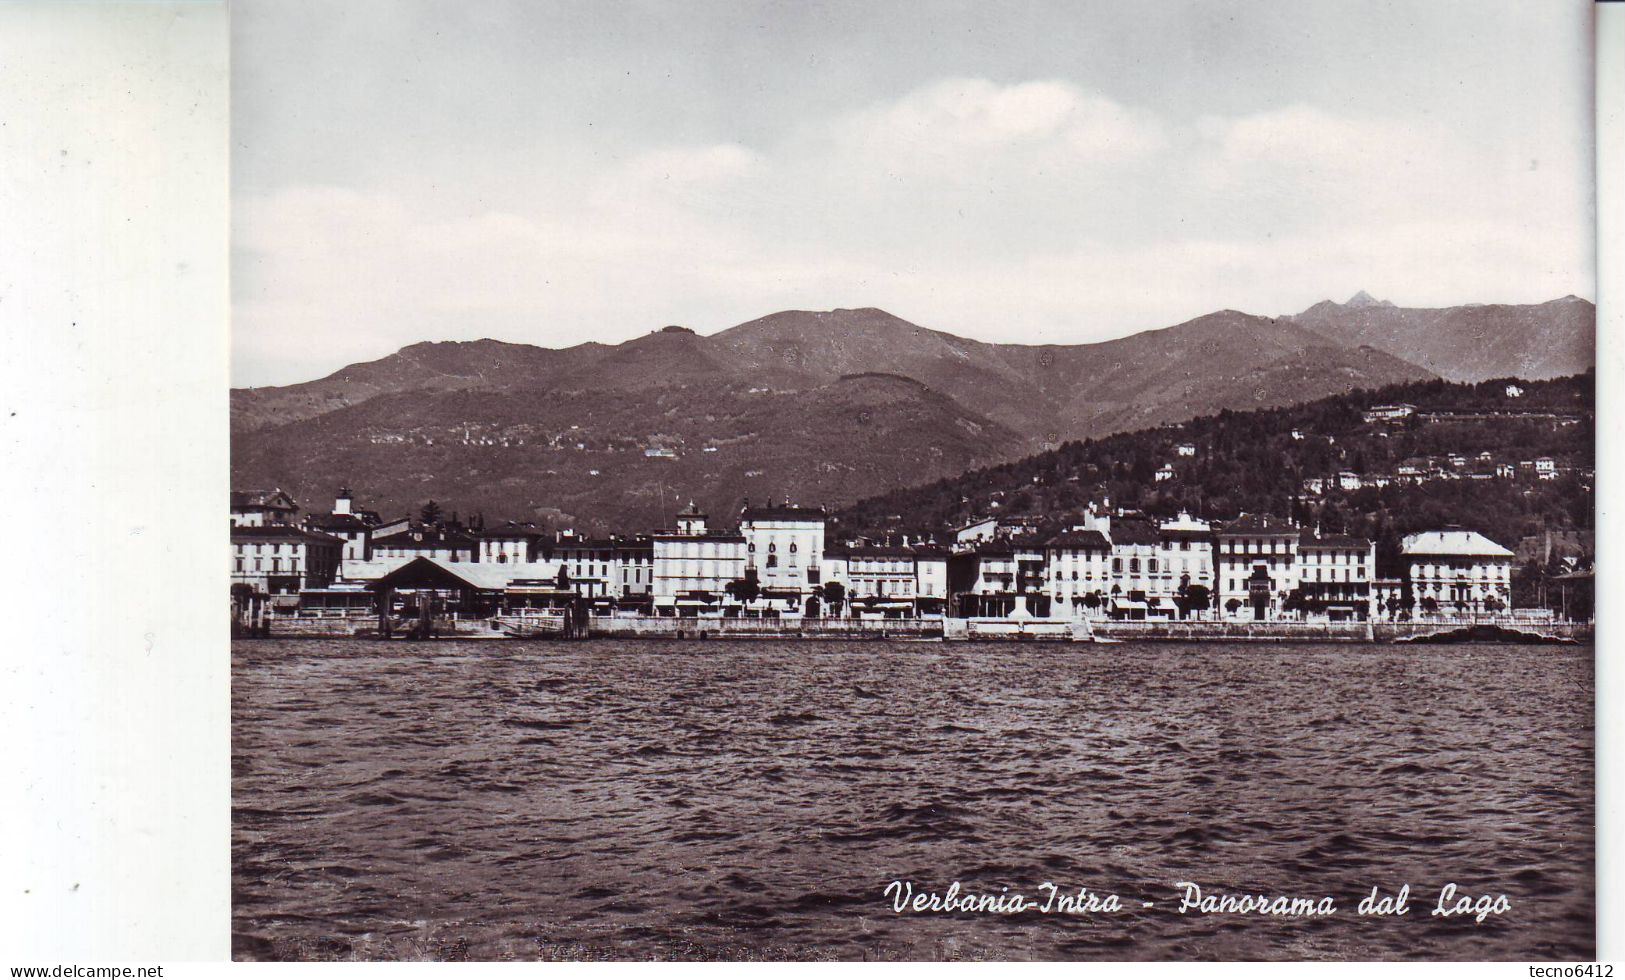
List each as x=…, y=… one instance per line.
x=1259, y=461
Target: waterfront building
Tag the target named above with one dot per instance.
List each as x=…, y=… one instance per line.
x=931, y=579
x=1256, y=566
x=1456, y=573
x=982, y=579
x=280, y=560
x=1078, y=563
x=784, y=546
x=589, y=564
x=889, y=580
x=694, y=565
x=1185, y=561
x=634, y=563
x=261, y=508
x=1140, y=587
x=1335, y=576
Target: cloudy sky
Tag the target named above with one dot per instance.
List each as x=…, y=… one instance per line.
x=553, y=172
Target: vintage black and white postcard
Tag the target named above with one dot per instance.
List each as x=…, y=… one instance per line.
x=960, y=480
x=930, y=481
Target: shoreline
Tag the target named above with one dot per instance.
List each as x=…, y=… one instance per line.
x=952, y=630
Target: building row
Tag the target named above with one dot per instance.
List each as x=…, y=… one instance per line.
x=778, y=560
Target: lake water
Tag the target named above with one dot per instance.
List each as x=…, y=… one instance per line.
x=658, y=799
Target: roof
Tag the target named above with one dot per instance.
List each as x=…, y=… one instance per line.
x=1310, y=539
x=260, y=498
x=884, y=551
x=337, y=522
x=1079, y=541
x=1259, y=524
x=367, y=571
x=584, y=544
x=511, y=531
x=1455, y=542
x=704, y=536
x=1133, y=532
x=783, y=514
x=432, y=572
x=1185, y=533
x=282, y=532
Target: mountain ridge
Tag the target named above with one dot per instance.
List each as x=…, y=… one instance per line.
x=462, y=421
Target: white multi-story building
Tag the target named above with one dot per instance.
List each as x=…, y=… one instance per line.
x=1078, y=570
x=635, y=560
x=1456, y=572
x=590, y=565
x=1185, y=559
x=1140, y=587
x=784, y=547
x=281, y=560
x=1336, y=573
x=893, y=580
x=1256, y=566
x=694, y=565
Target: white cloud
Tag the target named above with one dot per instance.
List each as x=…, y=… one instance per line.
x=1022, y=212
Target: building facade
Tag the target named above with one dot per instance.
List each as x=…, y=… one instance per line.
x=1336, y=576
x=1455, y=573
x=1256, y=566
x=784, y=548
x=694, y=565
x=282, y=560
x=1078, y=563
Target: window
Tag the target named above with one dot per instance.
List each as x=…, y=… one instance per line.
x=1134, y=566
x=792, y=547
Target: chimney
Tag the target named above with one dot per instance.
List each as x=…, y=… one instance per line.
x=343, y=503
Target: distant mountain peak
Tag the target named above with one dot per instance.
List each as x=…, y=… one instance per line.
x=1363, y=298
